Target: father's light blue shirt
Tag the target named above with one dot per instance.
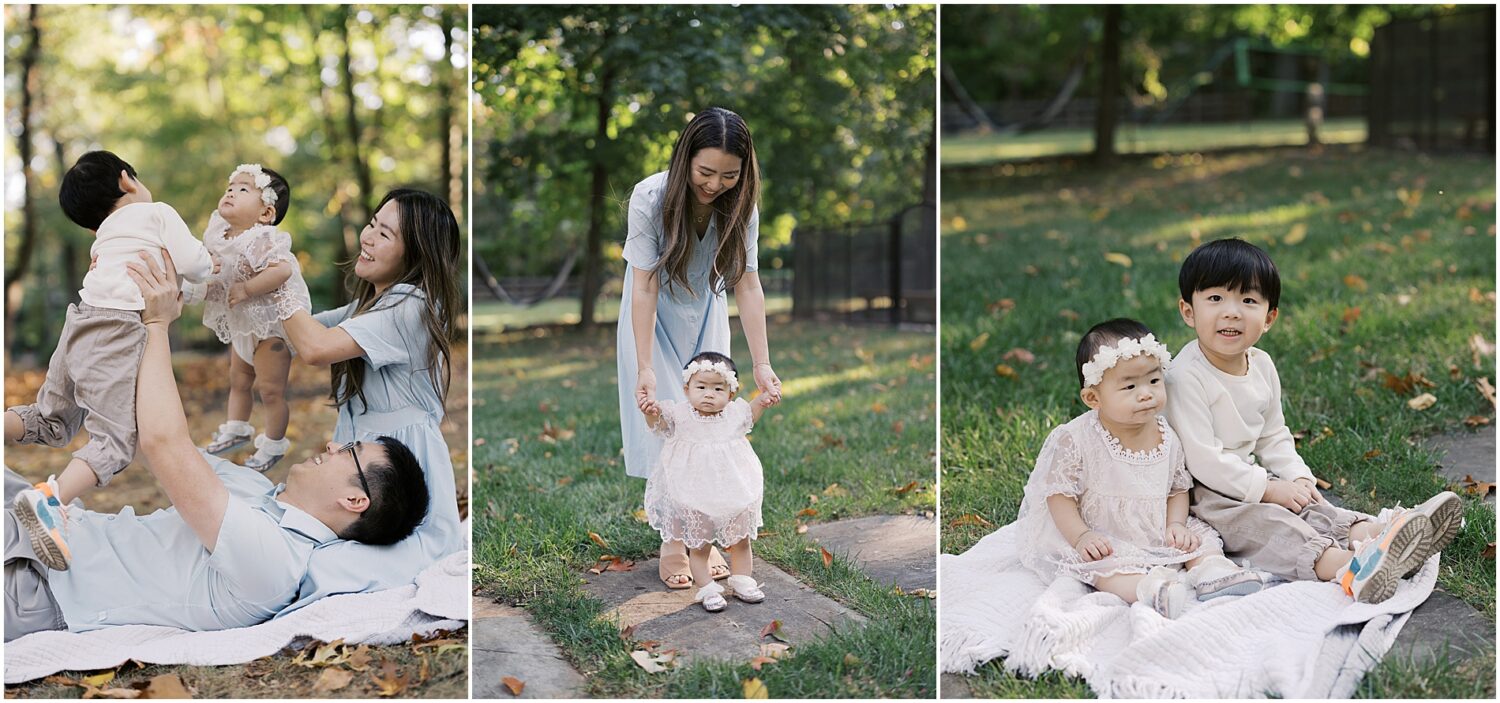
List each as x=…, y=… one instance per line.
x=130, y=569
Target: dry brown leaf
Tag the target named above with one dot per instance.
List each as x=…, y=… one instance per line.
x=1373, y=453
x=906, y=489
x=1115, y=257
x=359, y=659
x=1323, y=485
x=807, y=512
x=165, y=686
x=99, y=679
x=1356, y=283
x=829, y=441
x=1476, y=421
x=775, y=650
x=1298, y=233
x=898, y=427
x=827, y=558
x=1002, y=306
x=388, y=681
x=91, y=692
x=834, y=490
x=878, y=407
x=1422, y=402
x=514, y=684
x=1018, y=354
x=1005, y=371
x=332, y=679
x=652, y=662
x=628, y=631
x=754, y=689
x=970, y=519
x=978, y=343
x=1489, y=551
x=1485, y=389
x=596, y=539
x=756, y=662
x=773, y=630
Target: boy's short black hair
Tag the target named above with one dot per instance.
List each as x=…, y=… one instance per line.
x=1232, y=263
x=91, y=188
x=711, y=357
x=283, y=191
x=398, y=497
x=1105, y=334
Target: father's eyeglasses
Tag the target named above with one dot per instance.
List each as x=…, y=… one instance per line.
x=353, y=449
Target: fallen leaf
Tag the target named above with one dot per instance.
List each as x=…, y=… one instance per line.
x=878, y=407
x=98, y=680
x=756, y=662
x=359, y=659
x=1371, y=455
x=906, y=489
x=91, y=692
x=834, y=490
x=801, y=529
x=898, y=427
x=388, y=681
x=978, y=343
x=596, y=539
x=1422, y=402
x=827, y=558
x=1356, y=283
x=514, y=684
x=332, y=679
x=1005, y=371
x=164, y=686
x=1485, y=389
x=970, y=519
x=773, y=630
x=850, y=660
x=807, y=512
x=640, y=515
x=1002, y=306
x=775, y=650
x=1118, y=258
x=1476, y=421
x=755, y=689
x=1298, y=233
x=1324, y=485
x=1018, y=354
x=652, y=662
x=628, y=631
x=1489, y=551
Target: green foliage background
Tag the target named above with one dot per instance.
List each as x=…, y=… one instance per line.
x=185, y=93
x=840, y=100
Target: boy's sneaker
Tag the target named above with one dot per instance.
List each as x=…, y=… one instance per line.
x=46, y=522
x=1217, y=576
x=267, y=452
x=1445, y=516
x=1372, y=575
x=1163, y=591
x=230, y=435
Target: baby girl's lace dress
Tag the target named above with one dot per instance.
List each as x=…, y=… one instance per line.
x=259, y=318
x=707, y=485
x=1122, y=495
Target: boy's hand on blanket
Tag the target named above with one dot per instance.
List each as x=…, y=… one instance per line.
x=1179, y=536
x=1292, y=495
x=1092, y=546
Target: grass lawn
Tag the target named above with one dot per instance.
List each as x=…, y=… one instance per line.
x=859, y=411
x=492, y=316
x=203, y=382
x=980, y=149
x=1388, y=265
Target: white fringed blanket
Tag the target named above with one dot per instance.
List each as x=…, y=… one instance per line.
x=1292, y=640
x=438, y=600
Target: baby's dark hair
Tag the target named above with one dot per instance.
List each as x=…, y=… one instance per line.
x=1232, y=263
x=711, y=357
x=283, y=191
x=1105, y=334
x=91, y=188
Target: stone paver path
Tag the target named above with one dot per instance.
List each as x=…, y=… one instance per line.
x=899, y=550
x=506, y=643
x=1466, y=454
x=955, y=686
x=670, y=617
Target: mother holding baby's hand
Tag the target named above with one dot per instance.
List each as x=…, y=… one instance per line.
x=692, y=237
x=389, y=352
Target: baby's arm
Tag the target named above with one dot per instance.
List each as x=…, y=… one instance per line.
x=1177, y=534
x=1090, y=545
x=652, y=411
x=269, y=279
x=268, y=254
x=758, y=408
x=191, y=257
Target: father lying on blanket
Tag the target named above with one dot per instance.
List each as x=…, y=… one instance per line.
x=232, y=549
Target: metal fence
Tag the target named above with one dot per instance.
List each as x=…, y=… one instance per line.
x=884, y=271
x=1432, y=82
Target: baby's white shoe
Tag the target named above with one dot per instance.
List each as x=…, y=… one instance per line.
x=745, y=588
x=267, y=452
x=230, y=435
x=712, y=597
x=1163, y=591
x=1217, y=576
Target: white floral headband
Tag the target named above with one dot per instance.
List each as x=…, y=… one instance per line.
x=1129, y=347
x=262, y=181
x=718, y=367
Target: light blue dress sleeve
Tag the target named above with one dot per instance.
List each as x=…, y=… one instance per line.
x=330, y=318
x=643, y=236
x=752, y=241
x=392, y=332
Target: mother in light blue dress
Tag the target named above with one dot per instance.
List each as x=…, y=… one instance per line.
x=692, y=237
x=389, y=353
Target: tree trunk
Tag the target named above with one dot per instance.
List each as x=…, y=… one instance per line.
x=1109, y=88
x=30, y=83
x=351, y=121
x=452, y=136
x=592, y=266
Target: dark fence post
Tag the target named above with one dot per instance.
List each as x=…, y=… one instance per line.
x=895, y=264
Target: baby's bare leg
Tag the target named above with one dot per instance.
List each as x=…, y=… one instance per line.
x=1331, y=560
x=1122, y=585
x=241, y=387
x=698, y=565
x=273, y=361
x=741, y=560
x=1363, y=530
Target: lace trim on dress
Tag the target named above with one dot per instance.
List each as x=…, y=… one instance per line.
x=714, y=418
x=1133, y=456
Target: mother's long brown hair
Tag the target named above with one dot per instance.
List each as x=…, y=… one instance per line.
x=429, y=235
x=715, y=128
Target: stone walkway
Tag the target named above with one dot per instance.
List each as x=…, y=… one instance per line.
x=507, y=643
x=1466, y=455
x=900, y=550
x=638, y=598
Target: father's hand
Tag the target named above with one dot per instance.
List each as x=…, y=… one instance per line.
x=158, y=284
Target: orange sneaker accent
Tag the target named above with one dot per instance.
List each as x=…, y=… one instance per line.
x=1347, y=582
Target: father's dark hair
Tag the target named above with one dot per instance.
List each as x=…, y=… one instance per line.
x=91, y=188
x=711, y=357
x=398, y=497
x=283, y=192
x=1105, y=334
x=1231, y=263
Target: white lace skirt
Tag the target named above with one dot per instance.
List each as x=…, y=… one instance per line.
x=705, y=493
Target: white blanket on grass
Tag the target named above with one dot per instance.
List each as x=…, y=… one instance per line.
x=1292, y=640
x=437, y=600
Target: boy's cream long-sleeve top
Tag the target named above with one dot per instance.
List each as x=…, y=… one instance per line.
x=132, y=229
x=1232, y=427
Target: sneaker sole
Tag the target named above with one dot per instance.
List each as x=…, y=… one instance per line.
x=265, y=468
x=750, y=599
x=43, y=543
x=1244, y=586
x=218, y=450
x=1443, y=525
x=1399, y=548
